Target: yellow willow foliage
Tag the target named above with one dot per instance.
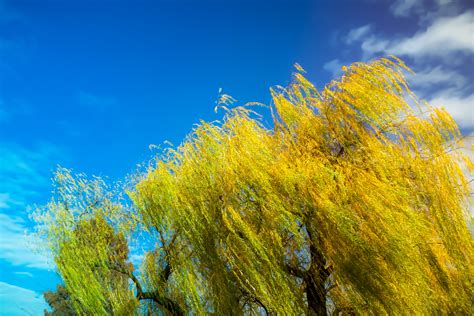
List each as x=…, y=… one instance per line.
x=351, y=191
x=352, y=202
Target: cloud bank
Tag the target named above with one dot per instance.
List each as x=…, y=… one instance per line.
x=440, y=51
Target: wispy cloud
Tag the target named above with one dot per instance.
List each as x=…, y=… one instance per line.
x=358, y=33
x=334, y=67
x=24, y=173
x=95, y=101
x=443, y=30
x=6, y=201
x=16, y=247
x=405, y=7
x=136, y=259
x=24, y=170
x=24, y=273
x=20, y=301
x=438, y=75
x=459, y=106
x=444, y=36
x=423, y=8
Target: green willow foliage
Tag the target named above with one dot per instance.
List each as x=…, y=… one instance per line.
x=352, y=202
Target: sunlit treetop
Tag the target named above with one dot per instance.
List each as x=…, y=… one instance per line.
x=352, y=201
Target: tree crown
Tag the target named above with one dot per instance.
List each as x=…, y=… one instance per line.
x=352, y=200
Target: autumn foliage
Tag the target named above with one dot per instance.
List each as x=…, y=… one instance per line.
x=354, y=200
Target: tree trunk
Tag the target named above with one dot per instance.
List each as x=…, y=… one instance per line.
x=316, y=277
x=316, y=296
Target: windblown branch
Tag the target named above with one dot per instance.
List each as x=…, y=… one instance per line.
x=295, y=271
x=165, y=302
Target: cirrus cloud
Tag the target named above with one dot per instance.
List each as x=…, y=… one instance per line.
x=20, y=301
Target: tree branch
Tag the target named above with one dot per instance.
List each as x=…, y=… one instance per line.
x=295, y=271
x=165, y=302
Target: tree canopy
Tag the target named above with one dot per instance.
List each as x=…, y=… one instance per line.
x=354, y=200
x=60, y=302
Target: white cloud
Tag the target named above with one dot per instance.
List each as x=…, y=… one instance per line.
x=460, y=107
x=444, y=41
x=372, y=45
x=466, y=150
x=4, y=199
x=426, y=9
x=357, y=34
x=24, y=171
x=137, y=251
x=16, y=300
x=136, y=259
x=24, y=273
x=448, y=89
x=437, y=76
x=334, y=67
x=16, y=247
x=443, y=2
x=405, y=7
x=444, y=36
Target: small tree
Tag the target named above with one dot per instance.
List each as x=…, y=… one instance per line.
x=60, y=302
x=352, y=202
x=91, y=254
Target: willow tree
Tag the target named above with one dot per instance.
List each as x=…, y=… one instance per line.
x=353, y=201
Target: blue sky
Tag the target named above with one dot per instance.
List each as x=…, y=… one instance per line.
x=91, y=84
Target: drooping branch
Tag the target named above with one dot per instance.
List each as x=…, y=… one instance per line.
x=165, y=302
x=253, y=299
x=295, y=271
